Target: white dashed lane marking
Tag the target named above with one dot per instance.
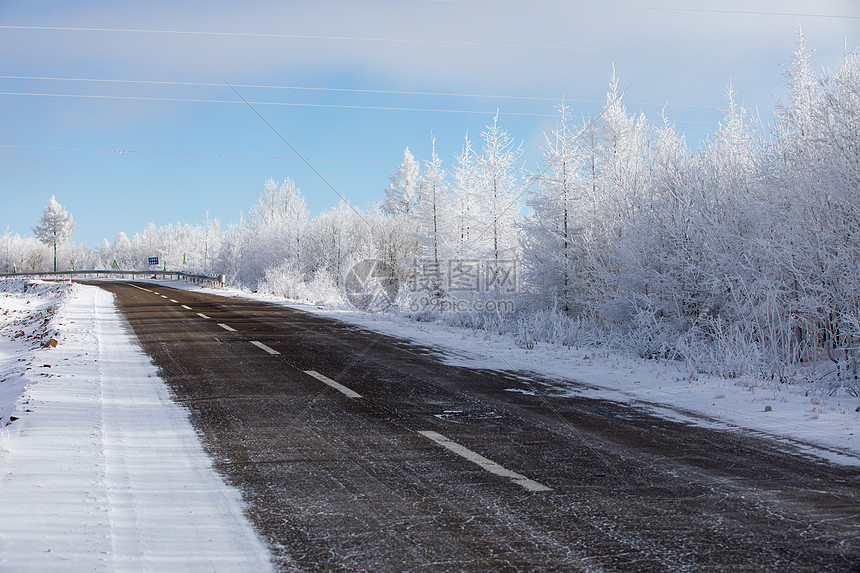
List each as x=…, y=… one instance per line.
x=485, y=463
x=259, y=344
x=462, y=451
x=339, y=387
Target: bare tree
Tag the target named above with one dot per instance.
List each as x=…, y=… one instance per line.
x=55, y=226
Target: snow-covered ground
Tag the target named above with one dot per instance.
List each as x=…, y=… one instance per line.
x=815, y=424
x=99, y=469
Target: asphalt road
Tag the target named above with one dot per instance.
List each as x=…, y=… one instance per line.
x=384, y=459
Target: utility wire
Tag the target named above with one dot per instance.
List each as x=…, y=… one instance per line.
x=188, y=154
x=293, y=104
x=393, y=41
x=348, y=90
x=299, y=155
x=647, y=8
x=287, y=104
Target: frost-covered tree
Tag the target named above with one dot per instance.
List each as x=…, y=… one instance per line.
x=617, y=167
x=795, y=115
x=149, y=243
x=553, y=230
x=623, y=161
x=402, y=194
x=231, y=256
x=465, y=201
x=432, y=212
x=122, y=253
x=812, y=174
x=211, y=243
x=395, y=242
x=55, y=227
x=279, y=219
x=499, y=193
x=7, y=251
x=33, y=256
x=22, y=254
x=271, y=235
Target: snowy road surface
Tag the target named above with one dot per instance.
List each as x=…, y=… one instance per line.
x=359, y=451
x=104, y=472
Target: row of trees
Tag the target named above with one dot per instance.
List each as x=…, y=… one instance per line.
x=54, y=229
x=740, y=256
x=192, y=248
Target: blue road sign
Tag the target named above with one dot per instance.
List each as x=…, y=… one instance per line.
x=153, y=260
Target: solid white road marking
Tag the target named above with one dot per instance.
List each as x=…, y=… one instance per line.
x=485, y=463
x=259, y=344
x=225, y=327
x=185, y=307
x=339, y=387
x=201, y=315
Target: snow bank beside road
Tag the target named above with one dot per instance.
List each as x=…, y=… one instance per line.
x=28, y=319
x=102, y=471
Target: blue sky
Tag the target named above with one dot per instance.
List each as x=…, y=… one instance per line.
x=338, y=74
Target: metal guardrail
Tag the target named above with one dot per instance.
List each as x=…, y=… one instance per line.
x=216, y=281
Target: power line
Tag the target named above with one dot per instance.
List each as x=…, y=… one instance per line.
x=311, y=105
x=279, y=103
x=350, y=90
x=187, y=154
x=269, y=86
x=648, y=8
x=298, y=154
x=394, y=41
